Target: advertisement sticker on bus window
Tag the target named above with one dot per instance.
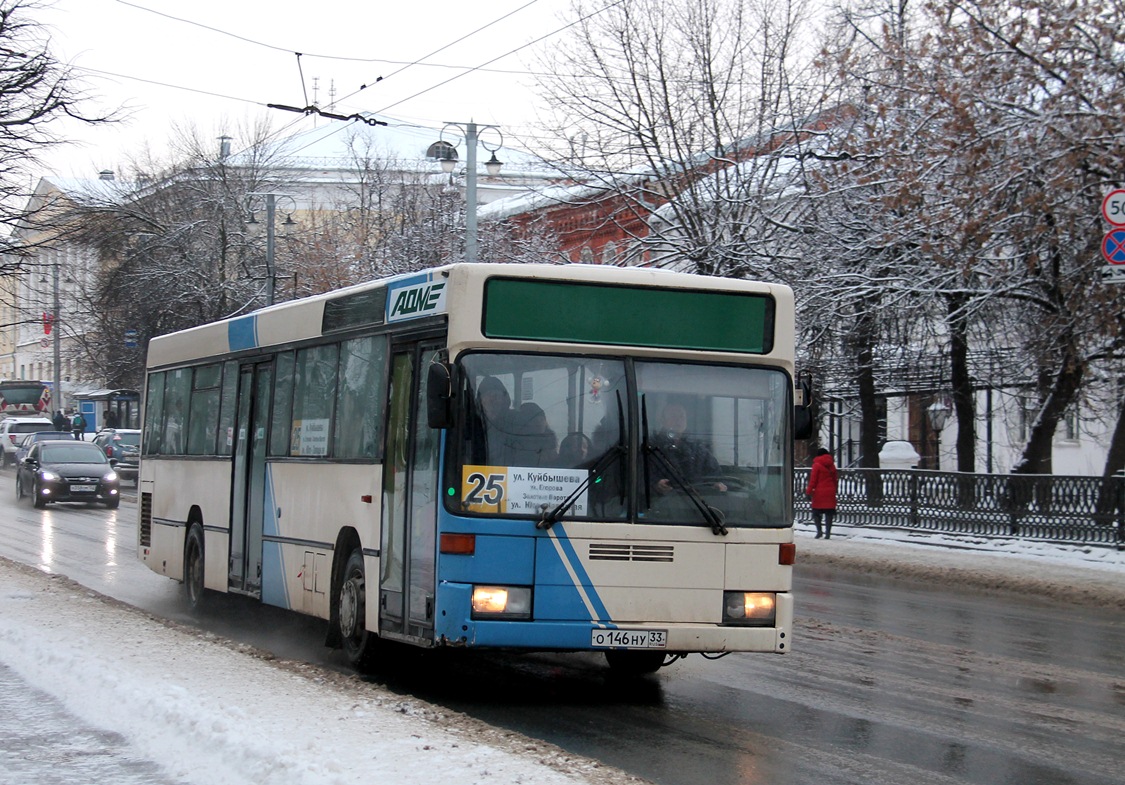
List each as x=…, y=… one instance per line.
x=415, y=297
x=520, y=490
x=309, y=437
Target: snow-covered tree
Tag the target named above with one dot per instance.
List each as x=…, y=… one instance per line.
x=36, y=91
x=985, y=139
x=684, y=105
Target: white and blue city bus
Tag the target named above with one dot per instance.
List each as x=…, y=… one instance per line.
x=537, y=457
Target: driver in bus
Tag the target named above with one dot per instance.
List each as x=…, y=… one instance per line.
x=692, y=461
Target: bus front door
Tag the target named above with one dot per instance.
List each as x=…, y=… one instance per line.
x=248, y=492
x=407, y=586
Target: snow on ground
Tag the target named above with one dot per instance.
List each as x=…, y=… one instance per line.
x=1079, y=574
x=215, y=713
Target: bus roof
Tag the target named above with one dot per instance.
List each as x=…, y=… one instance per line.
x=418, y=295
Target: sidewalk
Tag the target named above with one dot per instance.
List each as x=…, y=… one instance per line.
x=1080, y=574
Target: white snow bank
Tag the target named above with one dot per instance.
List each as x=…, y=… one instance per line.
x=1079, y=574
x=214, y=714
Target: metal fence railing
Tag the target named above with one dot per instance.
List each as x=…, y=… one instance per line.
x=1047, y=507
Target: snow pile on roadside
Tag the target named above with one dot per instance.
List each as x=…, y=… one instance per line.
x=212, y=715
x=1077, y=574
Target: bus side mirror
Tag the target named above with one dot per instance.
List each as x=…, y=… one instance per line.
x=802, y=410
x=439, y=394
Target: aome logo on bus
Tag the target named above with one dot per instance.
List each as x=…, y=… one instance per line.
x=414, y=300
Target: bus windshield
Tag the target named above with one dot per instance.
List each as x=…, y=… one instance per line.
x=595, y=438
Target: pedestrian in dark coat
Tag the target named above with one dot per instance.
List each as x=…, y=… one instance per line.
x=822, y=491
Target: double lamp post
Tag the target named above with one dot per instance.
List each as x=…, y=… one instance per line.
x=448, y=157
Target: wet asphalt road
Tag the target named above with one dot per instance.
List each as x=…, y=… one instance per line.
x=888, y=682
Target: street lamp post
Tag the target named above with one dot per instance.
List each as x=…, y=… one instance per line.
x=472, y=138
x=55, y=327
x=271, y=239
x=938, y=414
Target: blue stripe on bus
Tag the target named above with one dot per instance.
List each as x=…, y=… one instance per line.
x=275, y=590
x=582, y=580
x=242, y=333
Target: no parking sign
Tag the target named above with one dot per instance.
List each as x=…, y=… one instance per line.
x=1113, y=244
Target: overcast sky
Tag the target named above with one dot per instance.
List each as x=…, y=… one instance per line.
x=211, y=61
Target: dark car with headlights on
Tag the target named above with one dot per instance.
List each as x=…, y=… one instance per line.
x=60, y=471
x=29, y=439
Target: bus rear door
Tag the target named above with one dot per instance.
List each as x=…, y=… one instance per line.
x=248, y=487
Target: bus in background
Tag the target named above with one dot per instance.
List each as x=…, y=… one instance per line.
x=539, y=457
x=25, y=398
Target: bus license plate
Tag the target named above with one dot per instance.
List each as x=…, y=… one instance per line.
x=629, y=639
x=82, y=488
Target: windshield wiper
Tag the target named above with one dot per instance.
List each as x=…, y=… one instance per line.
x=549, y=519
x=714, y=517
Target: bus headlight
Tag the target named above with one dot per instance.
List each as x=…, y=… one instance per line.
x=501, y=602
x=749, y=608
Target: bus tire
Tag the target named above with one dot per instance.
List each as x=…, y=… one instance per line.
x=351, y=613
x=194, y=591
x=634, y=663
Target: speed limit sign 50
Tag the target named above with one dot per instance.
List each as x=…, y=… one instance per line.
x=1113, y=207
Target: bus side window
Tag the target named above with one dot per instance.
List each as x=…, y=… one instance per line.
x=281, y=425
x=203, y=422
x=361, y=390
x=177, y=390
x=227, y=404
x=314, y=400
x=154, y=414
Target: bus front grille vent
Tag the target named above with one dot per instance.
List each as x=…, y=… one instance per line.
x=618, y=551
x=145, y=536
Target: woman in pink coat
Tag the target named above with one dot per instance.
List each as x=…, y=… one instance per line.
x=822, y=491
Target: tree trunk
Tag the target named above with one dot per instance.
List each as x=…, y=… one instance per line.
x=1111, y=498
x=964, y=405
x=1036, y=458
x=1115, y=458
x=868, y=407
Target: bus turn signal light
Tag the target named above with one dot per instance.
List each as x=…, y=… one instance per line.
x=463, y=544
x=787, y=553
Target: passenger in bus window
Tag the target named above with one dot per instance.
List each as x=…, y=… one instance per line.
x=535, y=444
x=692, y=461
x=498, y=420
x=574, y=450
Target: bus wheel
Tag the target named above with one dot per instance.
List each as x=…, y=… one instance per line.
x=634, y=663
x=193, y=568
x=359, y=644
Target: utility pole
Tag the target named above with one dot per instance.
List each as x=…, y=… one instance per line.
x=271, y=271
x=56, y=327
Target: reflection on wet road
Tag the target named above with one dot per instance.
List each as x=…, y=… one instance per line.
x=888, y=682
